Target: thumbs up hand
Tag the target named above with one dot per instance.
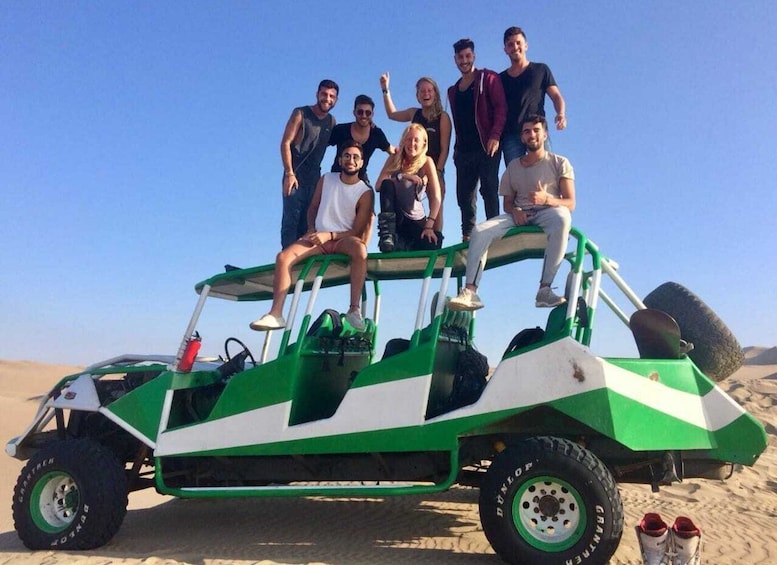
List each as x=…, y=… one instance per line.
x=539, y=196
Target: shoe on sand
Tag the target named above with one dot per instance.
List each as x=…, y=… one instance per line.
x=686, y=539
x=268, y=322
x=655, y=541
x=546, y=298
x=466, y=301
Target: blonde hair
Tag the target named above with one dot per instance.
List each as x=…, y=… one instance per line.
x=437, y=104
x=400, y=162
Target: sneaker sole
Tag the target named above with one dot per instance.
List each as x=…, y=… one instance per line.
x=456, y=307
x=539, y=304
x=258, y=328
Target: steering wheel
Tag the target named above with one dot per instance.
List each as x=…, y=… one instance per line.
x=246, y=353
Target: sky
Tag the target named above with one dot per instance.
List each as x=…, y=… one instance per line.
x=139, y=154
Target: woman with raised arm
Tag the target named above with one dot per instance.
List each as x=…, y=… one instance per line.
x=430, y=115
x=407, y=177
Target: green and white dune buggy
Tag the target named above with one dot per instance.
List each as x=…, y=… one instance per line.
x=545, y=436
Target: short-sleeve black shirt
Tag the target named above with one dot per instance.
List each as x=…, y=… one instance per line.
x=341, y=134
x=525, y=94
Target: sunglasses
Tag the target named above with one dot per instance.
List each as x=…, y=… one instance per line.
x=361, y=112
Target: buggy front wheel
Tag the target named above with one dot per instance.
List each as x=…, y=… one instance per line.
x=70, y=495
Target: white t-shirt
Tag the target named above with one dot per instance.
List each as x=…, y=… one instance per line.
x=337, y=210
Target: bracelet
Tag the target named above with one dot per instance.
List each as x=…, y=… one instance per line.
x=385, y=91
x=288, y=174
x=431, y=218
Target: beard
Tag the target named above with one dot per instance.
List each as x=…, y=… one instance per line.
x=533, y=146
x=351, y=174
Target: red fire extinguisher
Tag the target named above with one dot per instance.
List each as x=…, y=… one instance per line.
x=190, y=353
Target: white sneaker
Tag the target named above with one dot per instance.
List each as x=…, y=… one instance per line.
x=466, y=301
x=268, y=322
x=354, y=317
x=546, y=298
x=686, y=538
x=654, y=540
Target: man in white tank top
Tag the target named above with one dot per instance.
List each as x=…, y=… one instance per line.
x=338, y=219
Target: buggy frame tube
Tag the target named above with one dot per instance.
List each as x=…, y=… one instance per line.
x=192, y=324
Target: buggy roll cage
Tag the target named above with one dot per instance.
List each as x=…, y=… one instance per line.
x=588, y=266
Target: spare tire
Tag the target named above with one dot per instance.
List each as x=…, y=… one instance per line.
x=716, y=351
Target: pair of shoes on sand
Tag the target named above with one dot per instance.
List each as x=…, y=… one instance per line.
x=268, y=322
x=662, y=545
x=468, y=300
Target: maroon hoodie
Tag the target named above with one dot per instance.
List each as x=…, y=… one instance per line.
x=490, y=105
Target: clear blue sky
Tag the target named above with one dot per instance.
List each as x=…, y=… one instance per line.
x=139, y=152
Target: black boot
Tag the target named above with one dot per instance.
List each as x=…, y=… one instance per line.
x=387, y=231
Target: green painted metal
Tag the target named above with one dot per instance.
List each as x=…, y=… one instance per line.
x=680, y=374
x=542, y=533
x=54, y=501
x=742, y=441
x=265, y=385
x=142, y=407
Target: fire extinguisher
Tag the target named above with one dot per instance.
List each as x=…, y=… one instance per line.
x=190, y=353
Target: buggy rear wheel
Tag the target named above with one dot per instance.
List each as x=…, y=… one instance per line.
x=548, y=500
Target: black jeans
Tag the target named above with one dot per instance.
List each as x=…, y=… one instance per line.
x=471, y=167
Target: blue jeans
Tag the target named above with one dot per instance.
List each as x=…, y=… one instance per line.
x=295, y=214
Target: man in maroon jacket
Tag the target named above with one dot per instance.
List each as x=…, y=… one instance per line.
x=478, y=105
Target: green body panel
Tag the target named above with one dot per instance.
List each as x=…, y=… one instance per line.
x=408, y=364
x=264, y=385
x=680, y=374
x=742, y=441
x=642, y=428
x=143, y=406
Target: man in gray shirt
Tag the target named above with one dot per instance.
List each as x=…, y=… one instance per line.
x=538, y=190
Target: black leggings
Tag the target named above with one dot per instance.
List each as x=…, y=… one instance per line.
x=408, y=231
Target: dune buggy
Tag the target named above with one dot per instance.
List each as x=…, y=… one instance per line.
x=545, y=435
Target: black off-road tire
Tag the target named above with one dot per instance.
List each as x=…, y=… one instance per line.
x=548, y=500
x=70, y=495
x=716, y=351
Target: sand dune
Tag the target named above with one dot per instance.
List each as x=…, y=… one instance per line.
x=761, y=355
x=737, y=516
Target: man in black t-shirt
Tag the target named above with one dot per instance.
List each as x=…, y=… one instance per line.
x=363, y=130
x=525, y=85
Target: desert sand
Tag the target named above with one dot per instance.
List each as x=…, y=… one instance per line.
x=737, y=517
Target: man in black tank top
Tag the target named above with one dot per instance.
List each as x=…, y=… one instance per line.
x=303, y=146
